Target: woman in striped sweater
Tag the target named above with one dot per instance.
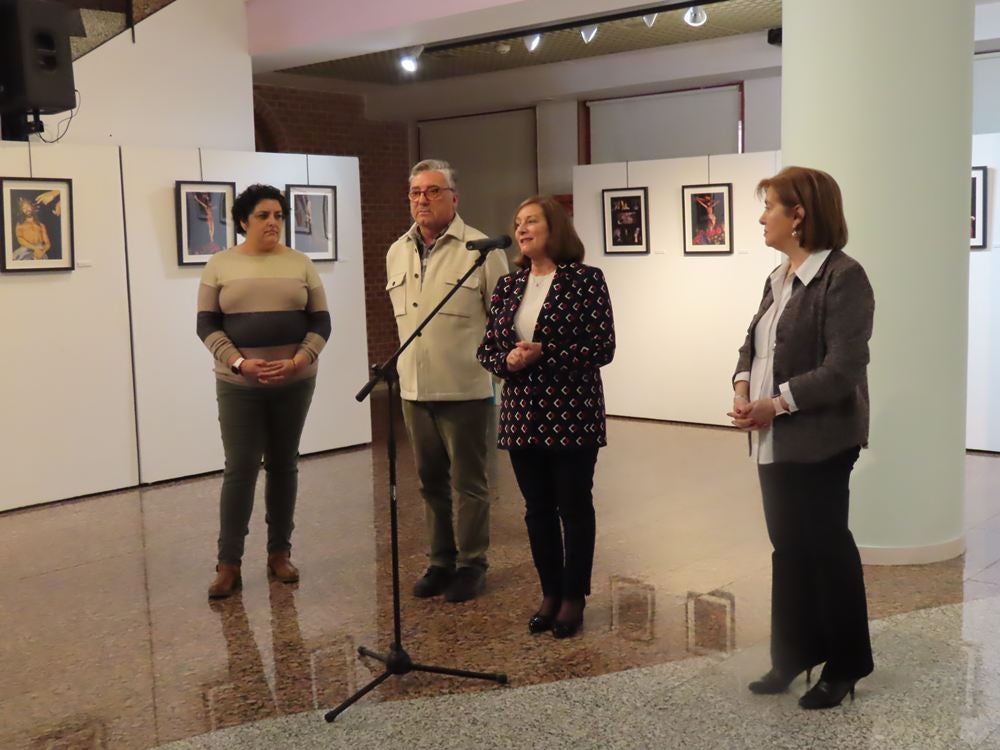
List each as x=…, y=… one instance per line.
x=262, y=313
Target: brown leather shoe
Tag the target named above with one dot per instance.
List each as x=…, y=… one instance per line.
x=280, y=567
x=227, y=581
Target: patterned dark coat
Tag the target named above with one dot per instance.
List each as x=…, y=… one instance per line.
x=557, y=402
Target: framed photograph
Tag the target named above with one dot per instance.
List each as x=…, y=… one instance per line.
x=311, y=227
x=980, y=204
x=36, y=224
x=708, y=219
x=711, y=622
x=203, y=224
x=626, y=221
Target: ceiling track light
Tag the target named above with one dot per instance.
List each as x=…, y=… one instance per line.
x=588, y=33
x=695, y=16
x=408, y=61
x=532, y=41
x=650, y=19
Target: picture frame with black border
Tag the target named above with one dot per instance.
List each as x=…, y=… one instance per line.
x=204, y=224
x=707, y=212
x=36, y=224
x=980, y=222
x=311, y=224
x=626, y=221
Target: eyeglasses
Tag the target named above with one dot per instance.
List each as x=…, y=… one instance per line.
x=432, y=193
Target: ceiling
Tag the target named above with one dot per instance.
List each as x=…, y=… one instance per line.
x=500, y=52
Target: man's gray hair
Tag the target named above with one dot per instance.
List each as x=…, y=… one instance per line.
x=437, y=165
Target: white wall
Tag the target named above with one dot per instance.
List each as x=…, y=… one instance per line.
x=983, y=421
x=67, y=426
x=175, y=388
x=679, y=320
x=186, y=81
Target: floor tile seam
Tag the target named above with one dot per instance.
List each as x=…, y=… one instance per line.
x=76, y=566
x=982, y=569
x=991, y=741
x=973, y=579
x=987, y=519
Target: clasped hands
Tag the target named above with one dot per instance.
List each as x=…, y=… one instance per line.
x=267, y=371
x=523, y=354
x=751, y=415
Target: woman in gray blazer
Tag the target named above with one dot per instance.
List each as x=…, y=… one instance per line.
x=801, y=390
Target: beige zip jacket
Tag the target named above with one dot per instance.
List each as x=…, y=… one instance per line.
x=441, y=364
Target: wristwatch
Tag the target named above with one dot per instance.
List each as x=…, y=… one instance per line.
x=235, y=366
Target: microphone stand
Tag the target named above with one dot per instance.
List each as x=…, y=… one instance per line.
x=397, y=661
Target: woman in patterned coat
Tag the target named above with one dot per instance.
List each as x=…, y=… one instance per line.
x=549, y=333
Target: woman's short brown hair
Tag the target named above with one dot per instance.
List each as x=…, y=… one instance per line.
x=823, y=226
x=564, y=245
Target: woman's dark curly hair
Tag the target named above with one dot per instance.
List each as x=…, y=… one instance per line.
x=247, y=201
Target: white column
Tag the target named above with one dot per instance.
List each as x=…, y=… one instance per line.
x=879, y=94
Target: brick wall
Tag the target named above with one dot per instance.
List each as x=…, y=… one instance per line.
x=311, y=122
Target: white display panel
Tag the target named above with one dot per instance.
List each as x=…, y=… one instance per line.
x=68, y=426
x=175, y=387
x=679, y=320
x=983, y=421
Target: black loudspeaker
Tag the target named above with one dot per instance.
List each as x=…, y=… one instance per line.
x=36, y=65
x=774, y=36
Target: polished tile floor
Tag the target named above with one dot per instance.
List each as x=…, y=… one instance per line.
x=109, y=641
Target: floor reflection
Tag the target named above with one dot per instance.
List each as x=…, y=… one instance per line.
x=243, y=694
x=109, y=641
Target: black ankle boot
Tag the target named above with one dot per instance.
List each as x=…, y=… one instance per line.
x=827, y=694
x=776, y=682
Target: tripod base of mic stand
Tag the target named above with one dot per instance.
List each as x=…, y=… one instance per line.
x=398, y=662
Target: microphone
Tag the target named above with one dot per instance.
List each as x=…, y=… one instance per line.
x=489, y=243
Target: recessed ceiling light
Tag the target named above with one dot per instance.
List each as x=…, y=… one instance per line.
x=408, y=61
x=588, y=33
x=532, y=41
x=695, y=16
x=650, y=19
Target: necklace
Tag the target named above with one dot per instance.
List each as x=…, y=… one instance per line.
x=540, y=279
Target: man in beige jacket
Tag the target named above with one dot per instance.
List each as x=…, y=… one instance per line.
x=447, y=396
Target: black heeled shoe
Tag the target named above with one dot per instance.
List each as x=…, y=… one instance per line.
x=775, y=682
x=827, y=694
x=539, y=623
x=568, y=628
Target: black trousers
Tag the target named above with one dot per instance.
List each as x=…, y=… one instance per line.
x=818, y=608
x=559, y=514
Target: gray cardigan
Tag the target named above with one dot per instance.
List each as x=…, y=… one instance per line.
x=821, y=350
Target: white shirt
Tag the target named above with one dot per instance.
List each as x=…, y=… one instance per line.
x=761, y=375
x=526, y=317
